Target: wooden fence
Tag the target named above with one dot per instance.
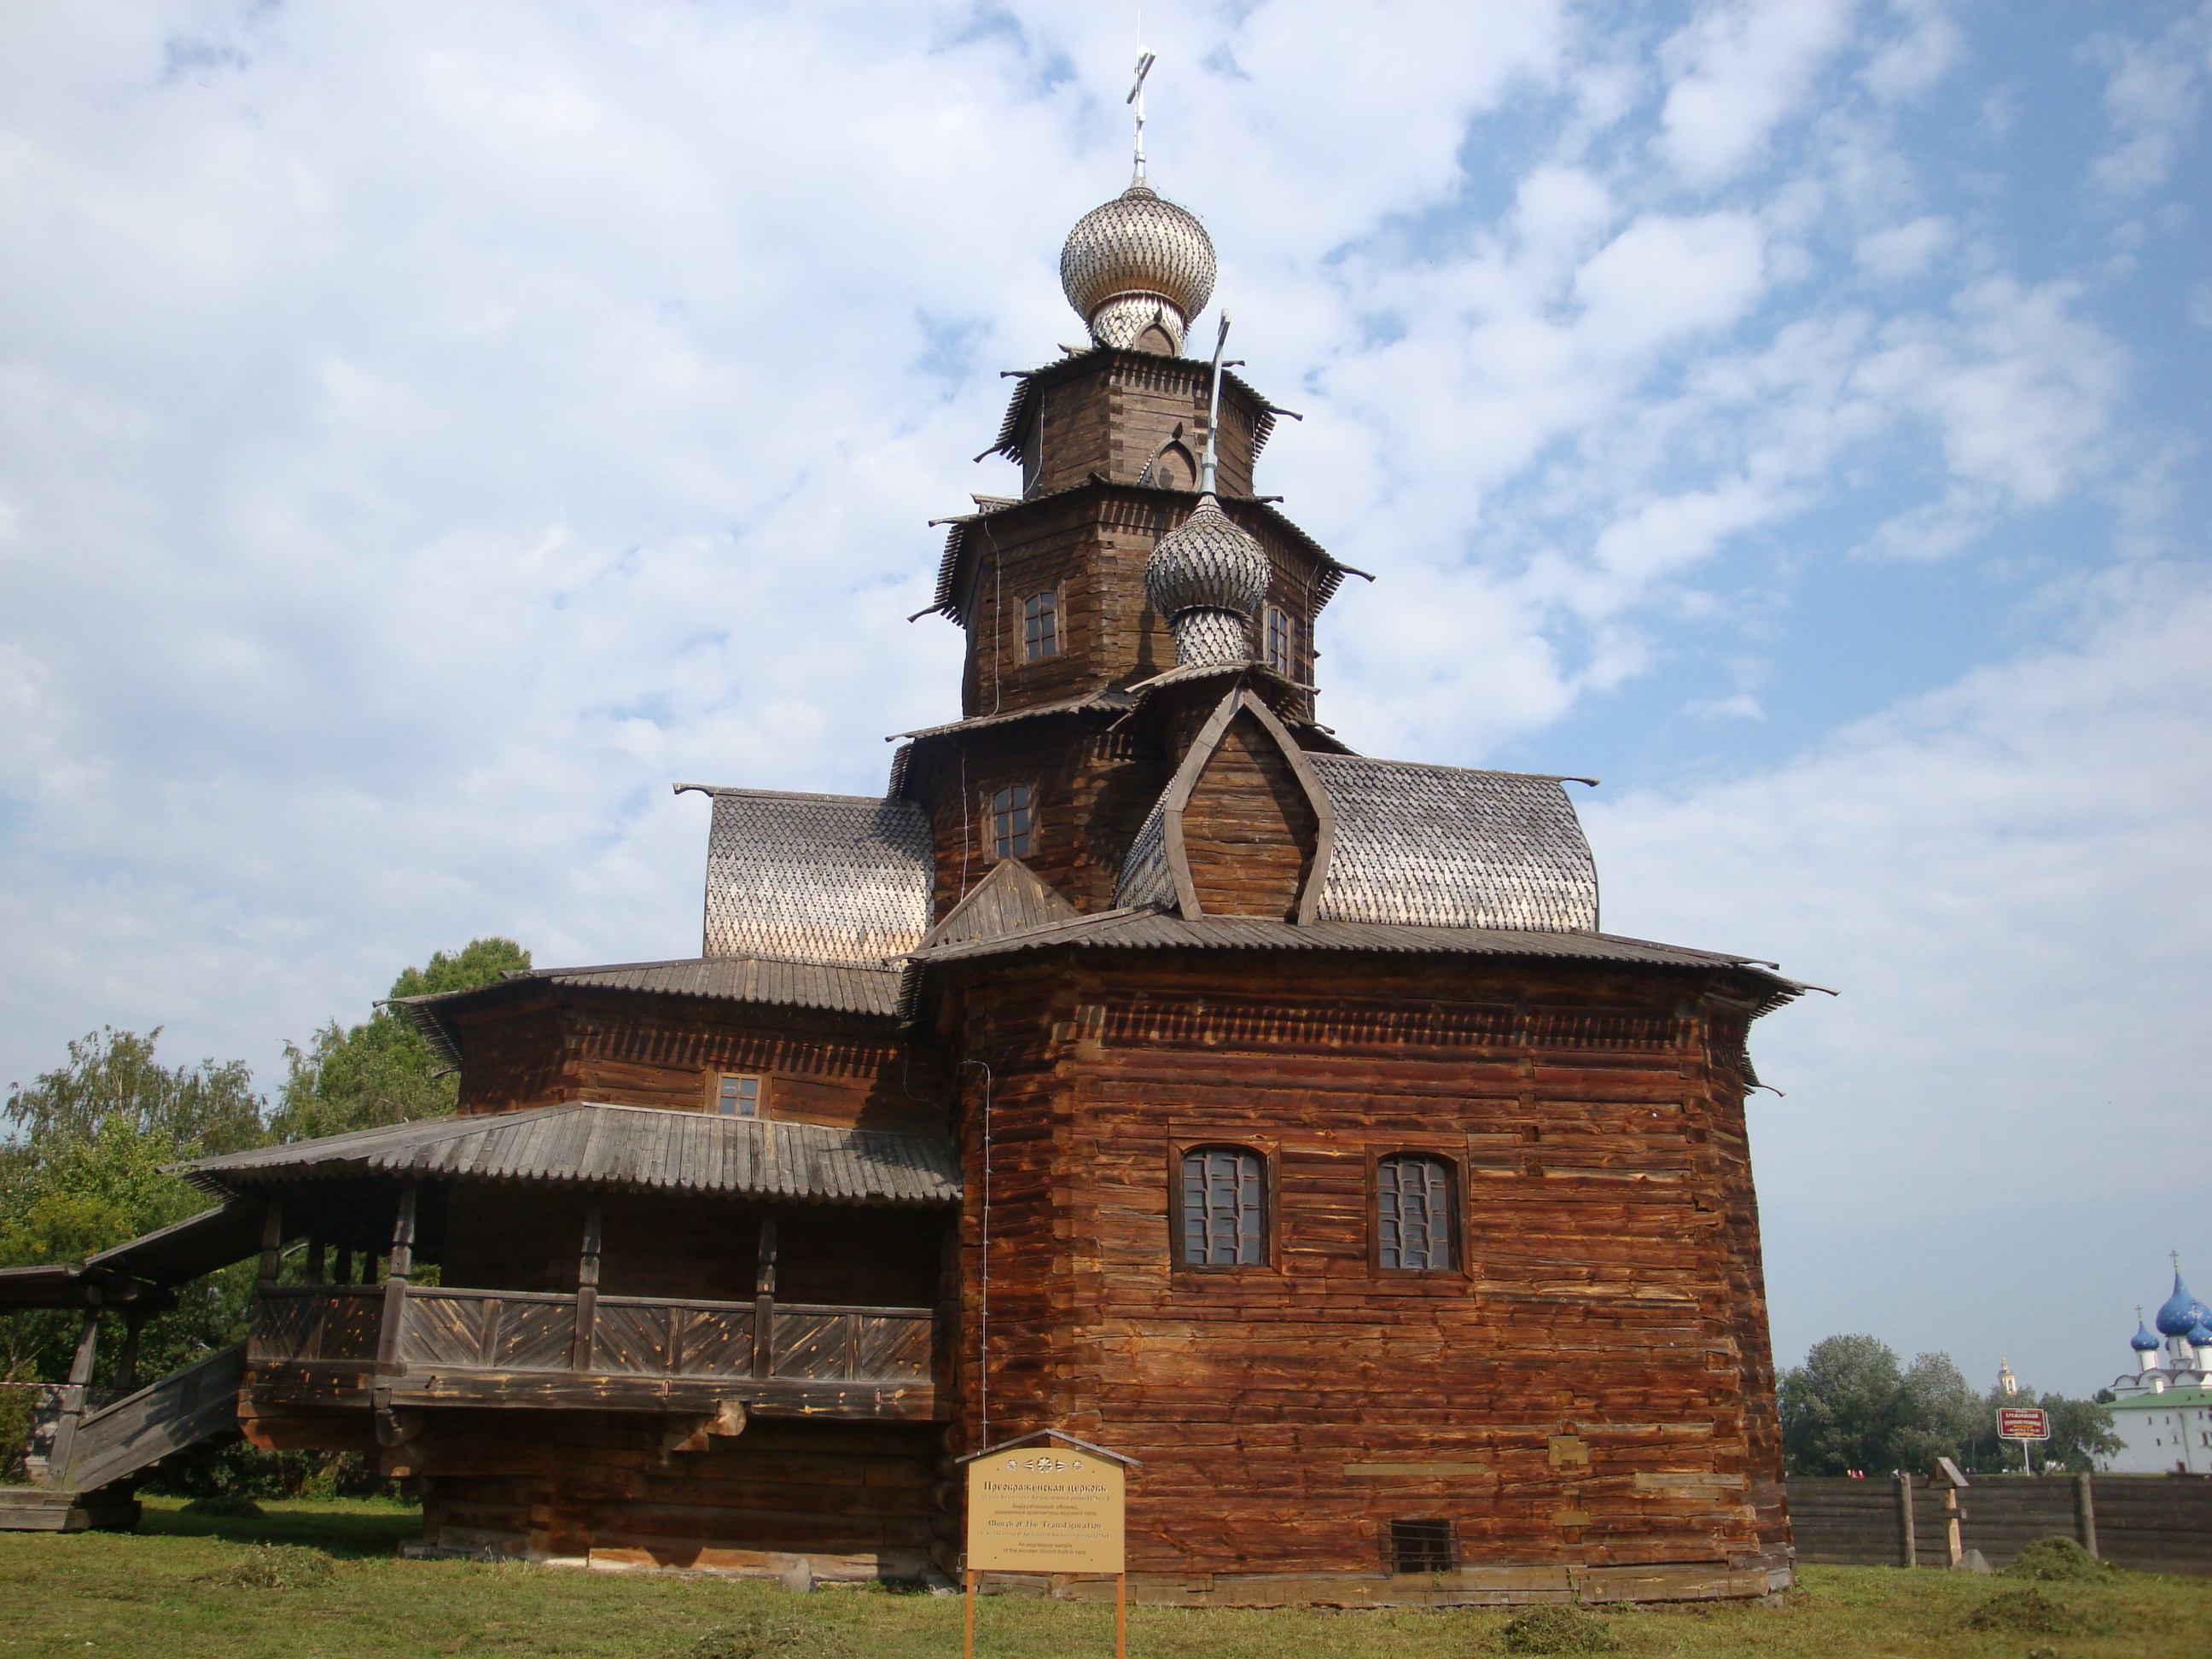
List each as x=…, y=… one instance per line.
x=2154, y=1523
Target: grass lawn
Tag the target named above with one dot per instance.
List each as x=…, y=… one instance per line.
x=144, y=1597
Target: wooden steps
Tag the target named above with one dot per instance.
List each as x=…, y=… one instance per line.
x=42, y=1508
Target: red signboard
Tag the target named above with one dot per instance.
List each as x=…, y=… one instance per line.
x=2023, y=1423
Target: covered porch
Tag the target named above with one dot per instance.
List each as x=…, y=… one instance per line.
x=601, y=1258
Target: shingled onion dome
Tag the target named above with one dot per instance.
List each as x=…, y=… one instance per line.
x=1207, y=578
x=1136, y=261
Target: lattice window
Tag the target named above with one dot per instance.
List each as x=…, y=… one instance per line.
x=739, y=1097
x=1282, y=642
x=1224, y=1207
x=1041, y=625
x=1012, y=820
x=1420, y=1547
x=1414, y=1212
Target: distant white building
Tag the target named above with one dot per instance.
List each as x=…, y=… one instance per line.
x=2163, y=1411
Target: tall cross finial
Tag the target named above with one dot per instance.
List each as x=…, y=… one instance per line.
x=1206, y=470
x=1145, y=60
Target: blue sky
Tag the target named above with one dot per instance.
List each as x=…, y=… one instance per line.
x=425, y=432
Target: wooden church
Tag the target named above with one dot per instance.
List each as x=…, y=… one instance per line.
x=1144, y=1063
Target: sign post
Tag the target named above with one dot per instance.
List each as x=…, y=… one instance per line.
x=2023, y=1424
x=1047, y=1503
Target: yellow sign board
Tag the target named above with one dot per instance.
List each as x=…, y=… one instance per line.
x=1044, y=1509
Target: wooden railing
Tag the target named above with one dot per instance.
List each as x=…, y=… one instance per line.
x=455, y=1330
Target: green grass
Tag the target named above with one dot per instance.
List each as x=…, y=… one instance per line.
x=158, y=1594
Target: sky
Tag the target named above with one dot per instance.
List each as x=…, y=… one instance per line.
x=428, y=432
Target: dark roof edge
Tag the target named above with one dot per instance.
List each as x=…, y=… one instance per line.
x=778, y=794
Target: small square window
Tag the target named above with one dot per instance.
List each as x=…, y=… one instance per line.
x=1041, y=625
x=1421, y=1546
x=1011, y=820
x=1282, y=642
x=739, y=1097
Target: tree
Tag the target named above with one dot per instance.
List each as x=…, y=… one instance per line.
x=113, y=1077
x=1937, y=1414
x=1839, y=1409
x=381, y=1071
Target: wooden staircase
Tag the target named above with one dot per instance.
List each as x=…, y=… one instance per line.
x=96, y=1453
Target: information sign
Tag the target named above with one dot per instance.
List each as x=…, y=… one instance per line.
x=2023, y=1423
x=1045, y=1508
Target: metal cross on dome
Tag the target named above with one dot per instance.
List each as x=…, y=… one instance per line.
x=1144, y=61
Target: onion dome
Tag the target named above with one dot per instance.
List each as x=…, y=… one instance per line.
x=2180, y=1313
x=1207, y=578
x=2144, y=1341
x=2200, y=1335
x=1135, y=261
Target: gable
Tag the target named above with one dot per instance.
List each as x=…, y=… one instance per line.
x=1248, y=831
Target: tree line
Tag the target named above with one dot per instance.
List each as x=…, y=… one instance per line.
x=81, y=1166
x=1852, y=1408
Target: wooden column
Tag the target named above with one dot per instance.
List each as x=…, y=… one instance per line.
x=2085, y=1514
x=272, y=1240
x=764, y=1299
x=1908, y=1548
x=401, y=1264
x=343, y=1273
x=72, y=1413
x=314, y=1259
x=587, y=1289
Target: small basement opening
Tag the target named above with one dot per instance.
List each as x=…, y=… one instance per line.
x=1420, y=1547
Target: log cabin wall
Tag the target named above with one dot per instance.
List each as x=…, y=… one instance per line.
x=605, y=1488
x=500, y=1236
x=1111, y=414
x=1091, y=790
x=1590, y=1387
x=1089, y=547
x=547, y=1046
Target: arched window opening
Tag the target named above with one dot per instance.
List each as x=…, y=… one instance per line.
x=1224, y=1207
x=1413, y=1213
x=1041, y=625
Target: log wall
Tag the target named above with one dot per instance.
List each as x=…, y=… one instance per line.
x=643, y=1050
x=1589, y=1389
x=854, y=1498
x=1248, y=829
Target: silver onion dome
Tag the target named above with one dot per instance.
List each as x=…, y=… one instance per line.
x=1136, y=260
x=1207, y=578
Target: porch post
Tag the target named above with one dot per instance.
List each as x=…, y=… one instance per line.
x=764, y=1298
x=126, y=1368
x=587, y=1288
x=80, y=1377
x=314, y=1258
x=401, y=1264
x=272, y=1241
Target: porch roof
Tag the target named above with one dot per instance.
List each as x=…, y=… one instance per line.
x=642, y=1148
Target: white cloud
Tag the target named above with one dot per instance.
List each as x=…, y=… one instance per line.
x=1906, y=250
x=2152, y=93
x=1740, y=69
x=1664, y=277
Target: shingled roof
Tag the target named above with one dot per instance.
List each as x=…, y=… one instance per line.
x=642, y=1148
x=822, y=878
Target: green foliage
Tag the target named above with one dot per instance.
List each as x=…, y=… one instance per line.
x=112, y=1078
x=1851, y=1407
x=1559, y=1628
x=274, y=1566
x=229, y=1506
x=235, y=1472
x=2058, y=1559
x=381, y=1071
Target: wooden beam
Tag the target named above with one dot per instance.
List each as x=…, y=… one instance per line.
x=126, y=1365
x=587, y=1288
x=401, y=1263
x=72, y=1401
x=764, y=1299
x=272, y=1240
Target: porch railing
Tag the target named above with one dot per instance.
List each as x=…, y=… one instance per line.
x=451, y=1330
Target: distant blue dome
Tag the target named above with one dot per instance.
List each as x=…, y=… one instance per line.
x=2201, y=1336
x=2142, y=1341
x=2181, y=1313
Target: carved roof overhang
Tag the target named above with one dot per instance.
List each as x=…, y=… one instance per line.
x=1151, y=366
x=639, y=1148
x=1123, y=507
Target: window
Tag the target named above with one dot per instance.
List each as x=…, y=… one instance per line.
x=1224, y=1207
x=739, y=1097
x=1282, y=642
x=1413, y=1213
x=1420, y=1547
x=1011, y=820
x=1041, y=625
